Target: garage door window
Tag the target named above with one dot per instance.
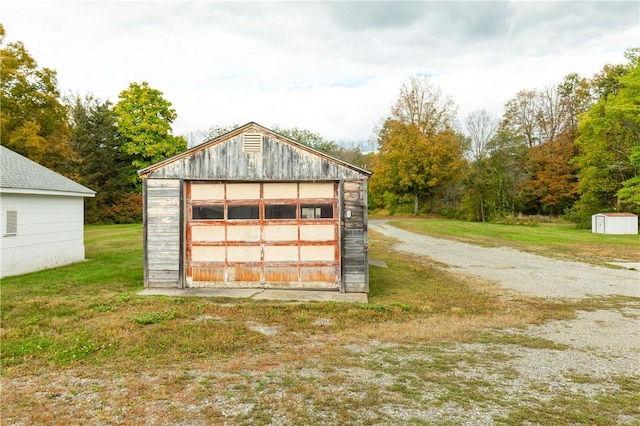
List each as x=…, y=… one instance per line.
x=207, y=213
x=316, y=211
x=243, y=212
x=280, y=211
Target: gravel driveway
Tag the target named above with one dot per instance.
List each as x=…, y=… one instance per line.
x=524, y=273
x=601, y=344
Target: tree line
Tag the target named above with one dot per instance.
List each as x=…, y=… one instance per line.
x=571, y=149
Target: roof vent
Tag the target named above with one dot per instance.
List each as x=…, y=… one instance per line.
x=251, y=142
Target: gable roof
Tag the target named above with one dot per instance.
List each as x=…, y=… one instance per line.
x=252, y=127
x=18, y=174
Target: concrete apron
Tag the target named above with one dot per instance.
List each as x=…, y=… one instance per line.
x=259, y=294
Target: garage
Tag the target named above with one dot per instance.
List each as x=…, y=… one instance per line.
x=253, y=208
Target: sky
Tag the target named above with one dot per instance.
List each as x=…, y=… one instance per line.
x=332, y=67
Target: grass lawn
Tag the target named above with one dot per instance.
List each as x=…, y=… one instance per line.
x=79, y=346
x=561, y=240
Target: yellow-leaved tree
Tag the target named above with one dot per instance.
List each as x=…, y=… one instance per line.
x=418, y=149
x=33, y=119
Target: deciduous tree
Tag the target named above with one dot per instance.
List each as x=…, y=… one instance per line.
x=481, y=126
x=576, y=96
x=553, y=182
x=104, y=167
x=33, y=119
x=609, y=142
x=520, y=116
x=144, y=120
x=418, y=148
x=493, y=185
x=424, y=106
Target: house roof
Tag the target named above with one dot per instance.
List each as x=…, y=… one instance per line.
x=253, y=127
x=18, y=174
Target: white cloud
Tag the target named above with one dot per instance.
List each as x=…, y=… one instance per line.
x=332, y=67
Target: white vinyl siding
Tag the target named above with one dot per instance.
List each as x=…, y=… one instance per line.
x=41, y=241
x=11, y=223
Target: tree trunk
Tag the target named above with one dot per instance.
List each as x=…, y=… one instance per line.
x=416, y=204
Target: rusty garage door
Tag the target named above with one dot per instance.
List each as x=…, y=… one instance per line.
x=266, y=234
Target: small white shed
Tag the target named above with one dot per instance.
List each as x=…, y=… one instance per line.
x=41, y=216
x=614, y=223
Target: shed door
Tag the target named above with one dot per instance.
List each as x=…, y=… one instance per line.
x=267, y=234
x=600, y=224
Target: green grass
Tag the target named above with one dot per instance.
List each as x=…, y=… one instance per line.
x=562, y=240
x=82, y=333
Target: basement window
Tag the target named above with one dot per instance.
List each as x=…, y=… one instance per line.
x=11, y=223
x=316, y=211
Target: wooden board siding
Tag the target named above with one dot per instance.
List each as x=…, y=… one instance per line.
x=355, y=272
x=162, y=225
x=277, y=161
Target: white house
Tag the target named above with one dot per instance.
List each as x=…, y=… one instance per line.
x=614, y=223
x=42, y=216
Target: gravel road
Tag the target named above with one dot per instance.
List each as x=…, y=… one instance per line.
x=524, y=273
x=600, y=344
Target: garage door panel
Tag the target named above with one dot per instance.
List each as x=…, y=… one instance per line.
x=317, y=232
x=208, y=273
x=318, y=274
x=281, y=254
x=243, y=191
x=242, y=273
x=207, y=233
x=317, y=253
x=243, y=254
x=281, y=274
x=316, y=190
x=243, y=233
x=273, y=191
x=281, y=232
x=207, y=254
x=207, y=191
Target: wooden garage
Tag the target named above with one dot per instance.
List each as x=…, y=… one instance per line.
x=253, y=208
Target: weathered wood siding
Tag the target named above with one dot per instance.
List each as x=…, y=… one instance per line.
x=277, y=161
x=162, y=226
x=355, y=259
